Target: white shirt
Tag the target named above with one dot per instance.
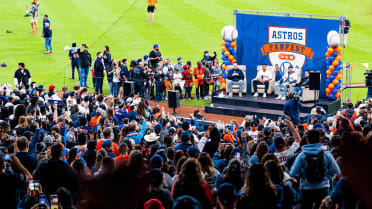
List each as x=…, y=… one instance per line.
x=292, y=77
x=177, y=77
x=116, y=76
x=282, y=156
x=267, y=75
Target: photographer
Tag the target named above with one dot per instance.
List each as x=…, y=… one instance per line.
x=292, y=108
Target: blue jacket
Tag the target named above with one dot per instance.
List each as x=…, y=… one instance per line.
x=298, y=168
x=124, y=72
x=137, y=138
x=240, y=75
x=120, y=115
x=219, y=162
x=292, y=109
x=74, y=56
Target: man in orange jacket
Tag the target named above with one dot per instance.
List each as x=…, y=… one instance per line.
x=151, y=9
x=198, y=74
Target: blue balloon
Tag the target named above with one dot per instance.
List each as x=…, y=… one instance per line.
x=231, y=49
x=331, y=77
x=329, y=62
x=331, y=96
x=223, y=53
x=227, y=43
x=224, y=58
x=334, y=91
x=335, y=72
x=328, y=81
x=227, y=62
x=335, y=54
x=338, y=68
x=330, y=59
x=233, y=52
x=339, y=63
x=338, y=86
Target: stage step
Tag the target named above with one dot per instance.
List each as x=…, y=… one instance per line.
x=242, y=111
x=258, y=102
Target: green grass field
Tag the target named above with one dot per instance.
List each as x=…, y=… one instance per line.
x=182, y=28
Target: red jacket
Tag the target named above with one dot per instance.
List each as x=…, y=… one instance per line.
x=187, y=77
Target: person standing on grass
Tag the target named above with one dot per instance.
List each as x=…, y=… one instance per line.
x=34, y=13
x=45, y=20
x=115, y=79
x=110, y=74
x=345, y=30
x=47, y=34
x=199, y=74
x=22, y=76
x=85, y=64
x=151, y=9
x=155, y=56
x=75, y=61
x=99, y=69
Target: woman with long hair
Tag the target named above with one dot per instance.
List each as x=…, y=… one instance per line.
x=233, y=175
x=19, y=111
x=261, y=150
x=258, y=191
x=190, y=182
x=210, y=173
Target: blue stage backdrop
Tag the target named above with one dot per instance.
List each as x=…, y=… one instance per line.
x=283, y=41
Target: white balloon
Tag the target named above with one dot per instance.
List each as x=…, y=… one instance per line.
x=330, y=35
x=229, y=33
x=335, y=41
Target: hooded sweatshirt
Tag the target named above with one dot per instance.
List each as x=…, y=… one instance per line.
x=299, y=167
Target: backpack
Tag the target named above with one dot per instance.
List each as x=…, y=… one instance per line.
x=314, y=170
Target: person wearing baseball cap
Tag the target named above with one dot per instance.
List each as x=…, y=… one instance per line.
x=155, y=55
x=179, y=65
x=52, y=95
x=207, y=57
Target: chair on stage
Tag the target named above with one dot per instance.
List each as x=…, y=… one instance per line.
x=235, y=88
x=261, y=88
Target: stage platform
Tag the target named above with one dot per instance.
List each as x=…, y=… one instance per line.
x=262, y=107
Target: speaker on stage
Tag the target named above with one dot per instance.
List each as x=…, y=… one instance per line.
x=314, y=81
x=173, y=99
x=128, y=88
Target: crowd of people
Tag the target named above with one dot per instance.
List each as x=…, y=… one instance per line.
x=151, y=76
x=80, y=150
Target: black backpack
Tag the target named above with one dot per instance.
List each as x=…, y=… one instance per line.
x=314, y=170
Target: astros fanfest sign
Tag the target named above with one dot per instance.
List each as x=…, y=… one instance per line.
x=287, y=46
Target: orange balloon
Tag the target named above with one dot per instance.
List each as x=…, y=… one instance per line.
x=335, y=82
x=327, y=94
x=222, y=43
x=327, y=76
x=331, y=86
x=339, y=90
x=224, y=66
x=338, y=49
x=328, y=91
x=338, y=58
x=227, y=54
x=329, y=72
x=331, y=68
x=234, y=60
x=339, y=77
x=233, y=43
x=338, y=95
x=231, y=58
x=340, y=72
x=330, y=50
x=335, y=63
x=339, y=53
x=224, y=48
x=327, y=55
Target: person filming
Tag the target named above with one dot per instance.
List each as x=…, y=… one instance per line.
x=292, y=108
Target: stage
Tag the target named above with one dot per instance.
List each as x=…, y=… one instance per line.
x=262, y=107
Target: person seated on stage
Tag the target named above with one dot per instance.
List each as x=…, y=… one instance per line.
x=302, y=85
x=263, y=77
x=236, y=77
x=290, y=78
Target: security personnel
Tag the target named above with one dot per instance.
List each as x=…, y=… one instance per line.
x=138, y=76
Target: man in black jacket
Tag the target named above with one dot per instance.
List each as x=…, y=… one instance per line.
x=138, y=76
x=302, y=85
x=85, y=64
x=55, y=173
x=22, y=76
x=99, y=72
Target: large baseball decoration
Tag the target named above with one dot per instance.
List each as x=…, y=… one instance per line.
x=334, y=66
x=229, y=35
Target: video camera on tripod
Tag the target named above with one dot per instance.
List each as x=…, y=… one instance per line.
x=368, y=75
